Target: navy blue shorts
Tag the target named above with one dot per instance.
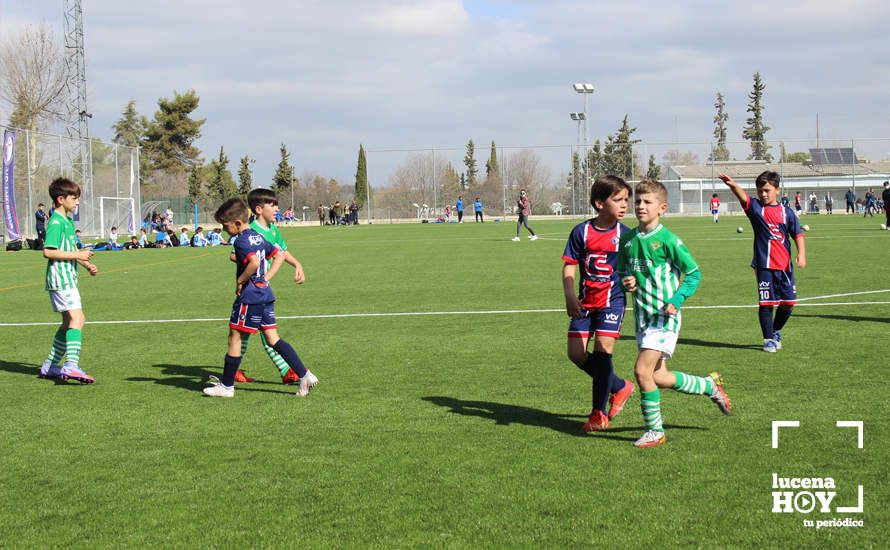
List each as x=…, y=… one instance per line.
x=251, y=318
x=605, y=322
x=776, y=288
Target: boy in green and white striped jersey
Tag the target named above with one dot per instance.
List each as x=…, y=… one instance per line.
x=651, y=261
x=62, y=255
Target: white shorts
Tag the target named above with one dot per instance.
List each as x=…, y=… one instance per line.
x=658, y=339
x=65, y=300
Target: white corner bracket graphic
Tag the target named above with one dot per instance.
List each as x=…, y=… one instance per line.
x=782, y=424
x=852, y=424
x=852, y=509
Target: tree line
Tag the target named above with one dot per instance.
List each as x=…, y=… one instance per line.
x=33, y=76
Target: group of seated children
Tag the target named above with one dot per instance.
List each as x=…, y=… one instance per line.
x=162, y=239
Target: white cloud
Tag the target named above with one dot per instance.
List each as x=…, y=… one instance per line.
x=437, y=18
x=326, y=76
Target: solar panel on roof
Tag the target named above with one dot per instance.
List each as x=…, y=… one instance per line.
x=833, y=155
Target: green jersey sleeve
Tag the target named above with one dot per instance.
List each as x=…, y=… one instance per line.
x=685, y=263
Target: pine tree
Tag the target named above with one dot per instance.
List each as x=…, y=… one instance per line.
x=195, y=184
x=470, y=163
x=755, y=130
x=618, y=156
x=654, y=170
x=170, y=137
x=222, y=185
x=720, y=151
x=245, y=178
x=492, y=169
x=284, y=173
x=130, y=128
x=361, y=177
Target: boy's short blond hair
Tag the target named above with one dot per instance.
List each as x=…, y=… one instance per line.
x=231, y=210
x=654, y=187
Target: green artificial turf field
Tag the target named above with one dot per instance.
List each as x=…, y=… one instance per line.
x=446, y=430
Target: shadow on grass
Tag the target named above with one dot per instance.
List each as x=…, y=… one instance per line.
x=709, y=344
x=504, y=415
x=854, y=318
x=34, y=370
x=192, y=378
x=20, y=368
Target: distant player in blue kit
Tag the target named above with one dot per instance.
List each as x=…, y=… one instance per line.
x=597, y=310
x=254, y=307
x=774, y=226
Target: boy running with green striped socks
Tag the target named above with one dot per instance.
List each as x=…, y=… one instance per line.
x=62, y=255
x=651, y=260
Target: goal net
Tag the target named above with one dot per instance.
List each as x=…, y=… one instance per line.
x=119, y=212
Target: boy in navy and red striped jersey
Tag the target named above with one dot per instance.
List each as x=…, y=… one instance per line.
x=774, y=225
x=598, y=308
x=254, y=307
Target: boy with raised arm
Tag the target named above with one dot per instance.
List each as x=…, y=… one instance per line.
x=774, y=226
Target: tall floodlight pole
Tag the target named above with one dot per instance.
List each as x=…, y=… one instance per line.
x=78, y=115
x=580, y=118
x=585, y=89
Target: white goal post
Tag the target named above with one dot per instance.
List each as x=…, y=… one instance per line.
x=119, y=212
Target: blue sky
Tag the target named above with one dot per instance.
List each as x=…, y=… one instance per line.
x=323, y=77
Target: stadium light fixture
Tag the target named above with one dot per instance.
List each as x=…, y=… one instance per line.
x=585, y=89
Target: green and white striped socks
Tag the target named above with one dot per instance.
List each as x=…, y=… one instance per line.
x=73, y=343
x=276, y=357
x=698, y=385
x=58, y=350
x=650, y=403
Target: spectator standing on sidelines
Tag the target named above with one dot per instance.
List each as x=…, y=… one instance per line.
x=353, y=213
x=524, y=206
x=459, y=206
x=40, y=223
x=829, y=202
x=321, y=211
x=850, y=197
x=477, y=206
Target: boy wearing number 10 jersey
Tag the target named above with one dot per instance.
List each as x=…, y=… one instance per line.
x=774, y=226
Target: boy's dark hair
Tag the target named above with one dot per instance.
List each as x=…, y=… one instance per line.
x=606, y=186
x=259, y=197
x=648, y=185
x=233, y=209
x=714, y=195
x=63, y=187
x=767, y=176
x=39, y=204
x=199, y=229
